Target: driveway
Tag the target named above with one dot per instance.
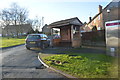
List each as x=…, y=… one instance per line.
x=21, y=63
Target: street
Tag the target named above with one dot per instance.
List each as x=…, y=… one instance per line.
x=18, y=62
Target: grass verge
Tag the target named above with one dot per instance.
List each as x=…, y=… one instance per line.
x=84, y=65
x=7, y=42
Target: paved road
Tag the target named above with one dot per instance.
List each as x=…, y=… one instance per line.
x=21, y=63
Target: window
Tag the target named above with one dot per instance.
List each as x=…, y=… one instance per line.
x=33, y=37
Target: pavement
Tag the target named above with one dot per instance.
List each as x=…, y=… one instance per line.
x=18, y=62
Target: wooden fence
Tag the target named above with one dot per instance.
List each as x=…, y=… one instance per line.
x=94, y=38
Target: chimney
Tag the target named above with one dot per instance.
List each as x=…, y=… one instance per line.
x=90, y=18
x=100, y=8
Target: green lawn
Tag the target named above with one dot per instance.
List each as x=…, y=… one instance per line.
x=5, y=42
x=84, y=65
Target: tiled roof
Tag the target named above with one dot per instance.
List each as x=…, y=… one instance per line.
x=64, y=22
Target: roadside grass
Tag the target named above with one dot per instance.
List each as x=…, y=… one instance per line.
x=84, y=65
x=7, y=42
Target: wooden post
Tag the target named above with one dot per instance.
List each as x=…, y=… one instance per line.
x=72, y=34
x=51, y=42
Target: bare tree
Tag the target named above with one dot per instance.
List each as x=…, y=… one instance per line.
x=18, y=15
x=15, y=15
x=5, y=19
x=37, y=23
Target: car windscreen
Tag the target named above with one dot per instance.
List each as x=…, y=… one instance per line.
x=33, y=37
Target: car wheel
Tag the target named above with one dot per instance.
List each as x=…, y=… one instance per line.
x=27, y=48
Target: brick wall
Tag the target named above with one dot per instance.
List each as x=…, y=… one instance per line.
x=65, y=33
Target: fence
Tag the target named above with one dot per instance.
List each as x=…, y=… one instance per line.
x=94, y=38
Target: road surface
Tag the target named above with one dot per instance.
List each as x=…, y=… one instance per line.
x=18, y=62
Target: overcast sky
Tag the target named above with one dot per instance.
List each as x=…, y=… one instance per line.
x=55, y=10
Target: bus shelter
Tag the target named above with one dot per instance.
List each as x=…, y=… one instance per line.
x=70, y=35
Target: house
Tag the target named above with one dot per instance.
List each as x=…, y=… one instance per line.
x=109, y=13
x=46, y=29
x=82, y=28
x=69, y=32
x=16, y=30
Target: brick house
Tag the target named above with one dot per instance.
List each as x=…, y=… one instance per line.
x=14, y=30
x=109, y=13
x=69, y=32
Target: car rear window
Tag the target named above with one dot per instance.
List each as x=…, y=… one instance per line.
x=33, y=37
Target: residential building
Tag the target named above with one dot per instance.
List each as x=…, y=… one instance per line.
x=109, y=13
x=15, y=30
x=46, y=29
